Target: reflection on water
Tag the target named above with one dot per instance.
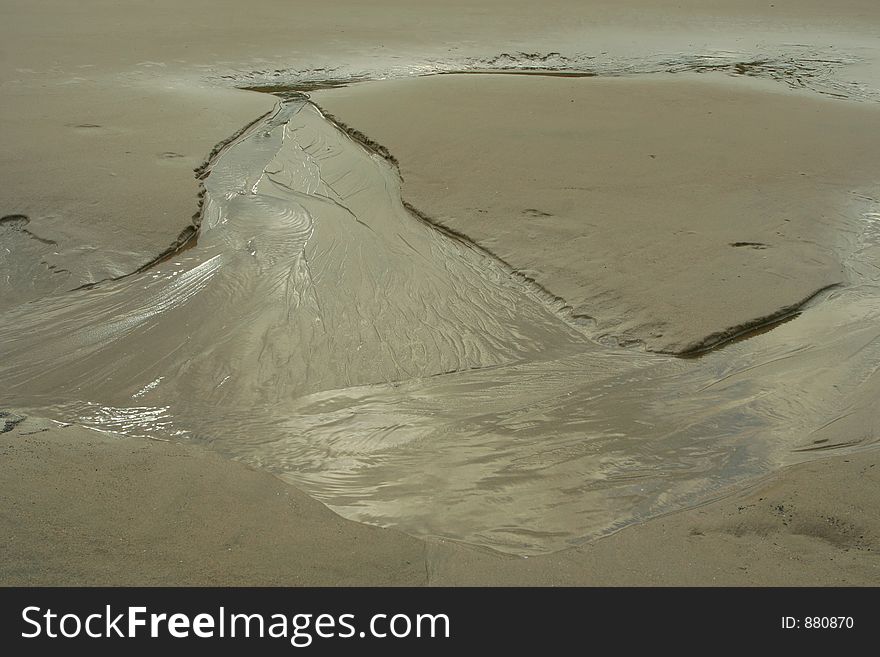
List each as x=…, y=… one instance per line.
x=407, y=378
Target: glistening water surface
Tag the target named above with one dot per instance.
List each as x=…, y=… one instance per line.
x=405, y=377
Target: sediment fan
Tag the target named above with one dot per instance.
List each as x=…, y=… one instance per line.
x=405, y=376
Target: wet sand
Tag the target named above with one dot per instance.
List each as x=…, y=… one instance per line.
x=152, y=99
x=618, y=195
x=69, y=518
x=408, y=378
x=105, y=185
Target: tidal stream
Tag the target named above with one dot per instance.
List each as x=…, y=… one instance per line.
x=407, y=378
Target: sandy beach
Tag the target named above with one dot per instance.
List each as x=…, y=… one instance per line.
x=622, y=211
x=209, y=521
x=460, y=294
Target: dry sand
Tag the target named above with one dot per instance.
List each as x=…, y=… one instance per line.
x=108, y=106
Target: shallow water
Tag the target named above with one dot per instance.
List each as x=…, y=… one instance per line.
x=405, y=377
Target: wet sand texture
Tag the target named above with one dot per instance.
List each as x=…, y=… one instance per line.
x=677, y=212
x=406, y=377
x=68, y=519
x=321, y=331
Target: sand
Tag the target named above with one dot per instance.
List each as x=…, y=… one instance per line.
x=108, y=108
x=408, y=378
x=125, y=99
x=79, y=157
x=85, y=508
x=74, y=515
x=619, y=209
